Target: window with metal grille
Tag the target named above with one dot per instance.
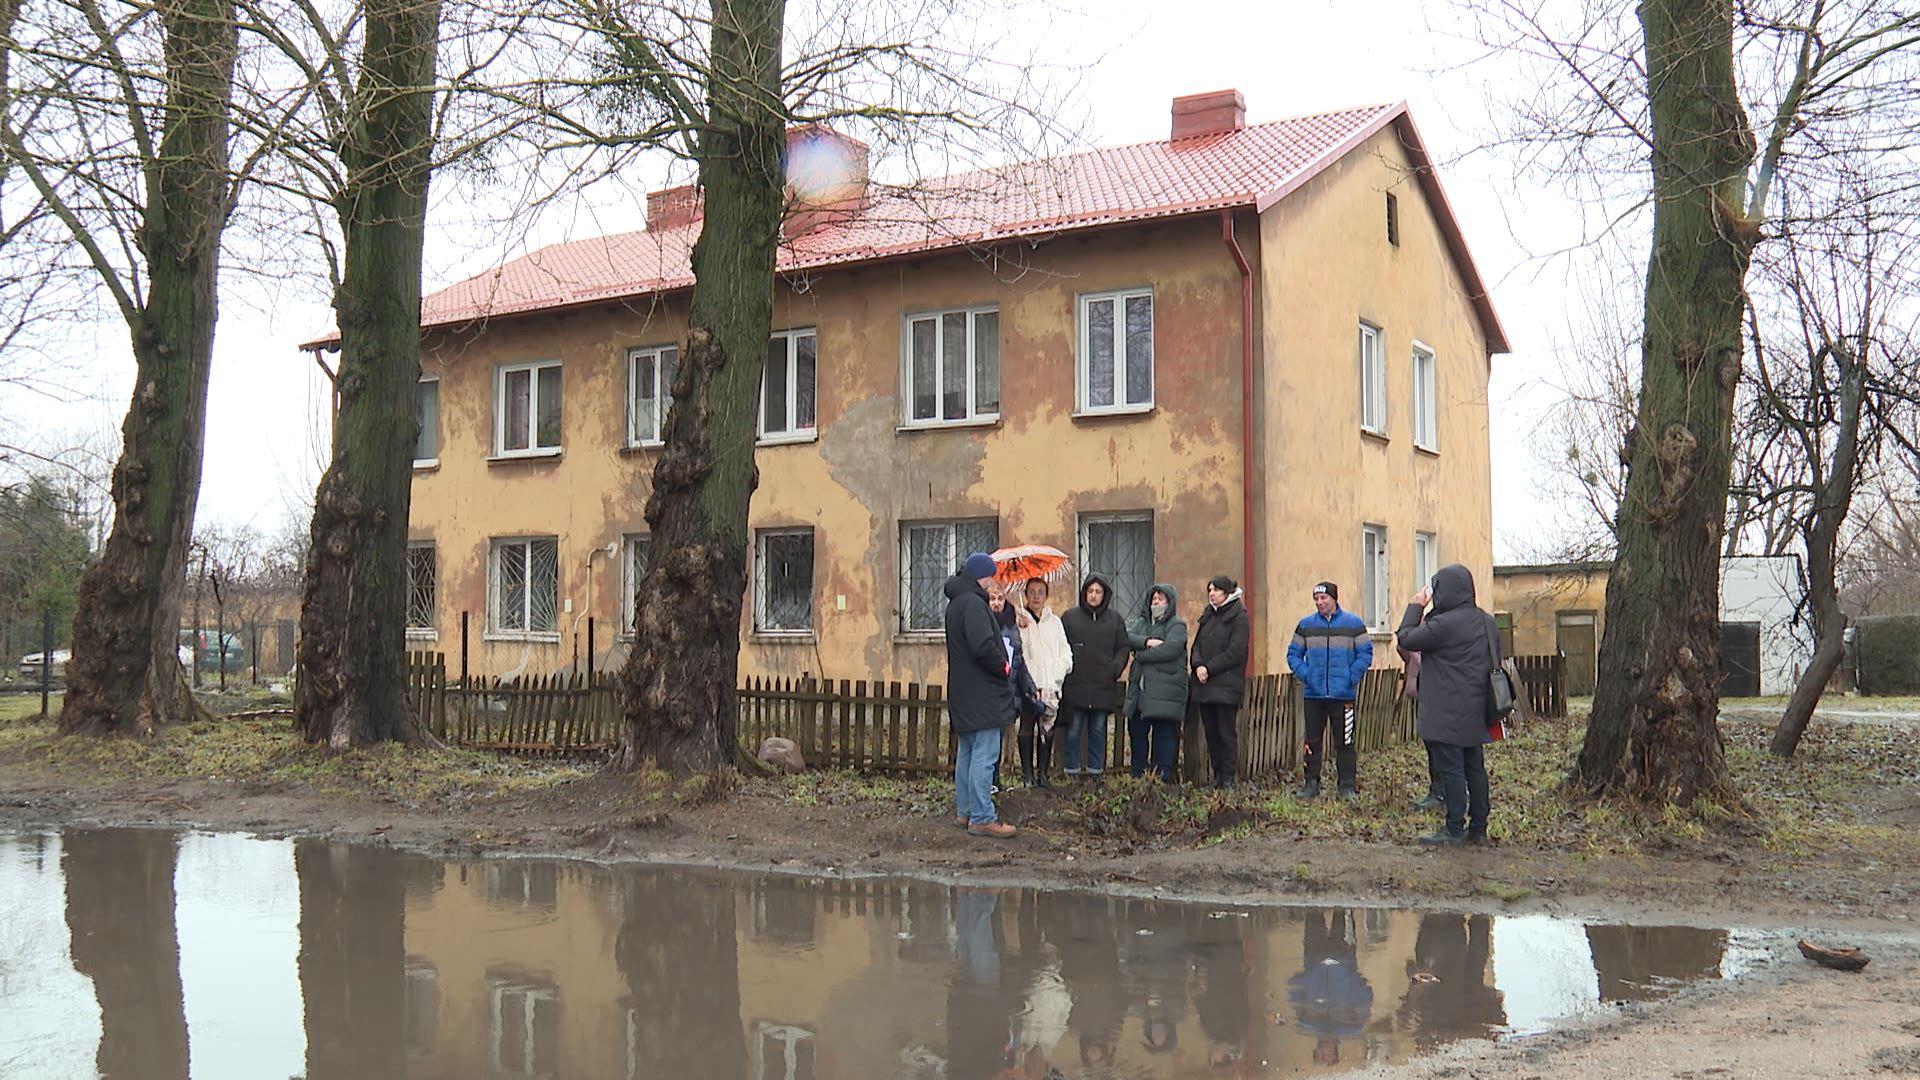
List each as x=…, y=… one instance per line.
x=649, y=386
x=1116, y=351
x=636, y=556
x=1119, y=547
x=783, y=581
x=420, y=584
x=426, y=410
x=787, y=393
x=526, y=412
x=524, y=580
x=953, y=366
x=930, y=553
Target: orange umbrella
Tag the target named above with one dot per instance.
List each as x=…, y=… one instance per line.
x=1014, y=565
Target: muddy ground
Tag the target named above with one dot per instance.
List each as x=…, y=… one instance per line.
x=1854, y=878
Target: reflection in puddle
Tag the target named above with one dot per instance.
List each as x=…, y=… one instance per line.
x=133, y=953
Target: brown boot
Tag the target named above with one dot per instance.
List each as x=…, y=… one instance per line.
x=999, y=830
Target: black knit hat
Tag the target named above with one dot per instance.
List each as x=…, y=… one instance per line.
x=1329, y=588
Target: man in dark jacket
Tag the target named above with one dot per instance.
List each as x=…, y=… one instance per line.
x=1329, y=654
x=1157, y=689
x=1220, y=675
x=980, y=699
x=1098, y=637
x=1458, y=652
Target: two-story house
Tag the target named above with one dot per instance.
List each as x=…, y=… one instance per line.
x=1259, y=350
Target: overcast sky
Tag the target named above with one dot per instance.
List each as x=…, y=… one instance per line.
x=265, y=447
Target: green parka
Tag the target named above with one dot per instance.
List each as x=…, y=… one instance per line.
x=1157, y=688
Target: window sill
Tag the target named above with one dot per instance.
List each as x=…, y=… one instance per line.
x=422, y=633
x=920, y=637
x=1429, y=451
x=529, y=637
x=525, y=457
x=640, y=449
x=1375, y=434
x=426, y=465
x=1380, y=634
x=1101, y=414
x=789, y=438
x=783, y=637
x=943, y=425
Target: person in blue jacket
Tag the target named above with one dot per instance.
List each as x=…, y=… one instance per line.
x=1329, y=654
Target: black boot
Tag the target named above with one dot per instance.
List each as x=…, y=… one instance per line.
x=1043, y=761
x=1311, y=790
x=1429, y=801
x=1026, y=760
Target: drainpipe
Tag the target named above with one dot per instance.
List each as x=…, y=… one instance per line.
x=1246, y=401
x=609, y=551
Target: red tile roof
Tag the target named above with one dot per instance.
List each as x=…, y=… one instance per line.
x=1251, y=168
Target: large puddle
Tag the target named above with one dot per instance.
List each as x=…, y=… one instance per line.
x=143, y=953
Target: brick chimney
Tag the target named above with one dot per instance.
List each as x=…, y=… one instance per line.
x=1215, y=113
x=673, y=207
x=826, y=177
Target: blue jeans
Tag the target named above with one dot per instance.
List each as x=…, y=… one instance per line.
x=1153, y=741
x=1088, y=726
x=978, y=752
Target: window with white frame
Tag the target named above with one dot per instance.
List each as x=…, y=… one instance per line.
x=1426, y=399
x=1373, y=381
x=523, y=584
x=783, y=581
x=649, y=386
x=1119, y=547
x=782, y=1051
x=953, y=366
x=526, y=411
x=635, y=555
x=1426, y=558
x=426, y=411
x=1373, y=570
x=422, y=1006
x=930, y=553
x=787, y=398
x=420, y=588
x=525, y=1025
x=1116, y=351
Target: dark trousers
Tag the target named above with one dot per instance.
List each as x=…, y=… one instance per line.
x=1344, y=719
x=1435, y=787
x=1463, y=779
x=1030, y=740
x=1152, y=742
x=1221, y=724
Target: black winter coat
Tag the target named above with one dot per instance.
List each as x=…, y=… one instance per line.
x=1098, y=638
x=979, y=690
x=1220, y=645
x=1456, y=661
x=1157, y=689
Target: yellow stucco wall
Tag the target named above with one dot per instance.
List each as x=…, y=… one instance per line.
x=1321, y=263
x=1328, y=266
x=1535, y=598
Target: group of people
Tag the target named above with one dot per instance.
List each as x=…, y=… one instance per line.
x=1011, y=661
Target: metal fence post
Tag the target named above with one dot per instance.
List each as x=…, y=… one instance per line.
x=46, y=662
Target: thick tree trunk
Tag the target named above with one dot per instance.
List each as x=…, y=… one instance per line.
x=120, y=913
x=677, y=952
x=680, y=676
x=124, y=676
x=352, y=685
x=1654, y=733
x=1820, y=531
x=353, y=960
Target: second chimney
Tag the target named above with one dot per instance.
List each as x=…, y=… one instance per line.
x=673, y=207
x=1216, y=113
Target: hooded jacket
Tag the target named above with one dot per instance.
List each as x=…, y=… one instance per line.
x=1097, y=637
x=1157, y=689
x=1220, y=645
x=1458, y=648
x=1049, y=658
x=979, y=662
x=1330, y=654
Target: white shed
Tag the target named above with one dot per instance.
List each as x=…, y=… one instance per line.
x=1765, y=646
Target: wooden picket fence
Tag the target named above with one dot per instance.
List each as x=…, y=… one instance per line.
x=531, y=714
x=884, y=727
x=1544, y=682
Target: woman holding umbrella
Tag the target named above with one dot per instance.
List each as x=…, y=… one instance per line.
x=1043, y=641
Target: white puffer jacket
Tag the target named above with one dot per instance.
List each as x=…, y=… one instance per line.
x=1049, y=657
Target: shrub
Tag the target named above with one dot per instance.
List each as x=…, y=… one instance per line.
x=1888, y=650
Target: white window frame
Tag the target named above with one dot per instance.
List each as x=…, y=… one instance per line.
x=1082, y=526
x=434, y=461
x=974, y=413
x=761, y=578
x=630, y=581
x=420, y=1025
x=525, y=633
x=1426, y=557
x=1371, y=358
x=1374, y=600
x=789, y=1037
x=661, y=384
x=533, y=368
x=793, y=432
x=1122, y=362
x=906, y=567
x=1426, y=398
x=533, y=999
x=430, y=630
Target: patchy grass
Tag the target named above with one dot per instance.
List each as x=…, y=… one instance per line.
x=265, y=751
x=1892, y=703
x=1504, y=892
x=24, y=706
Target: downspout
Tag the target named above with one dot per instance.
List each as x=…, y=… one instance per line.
x=1246, y=401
